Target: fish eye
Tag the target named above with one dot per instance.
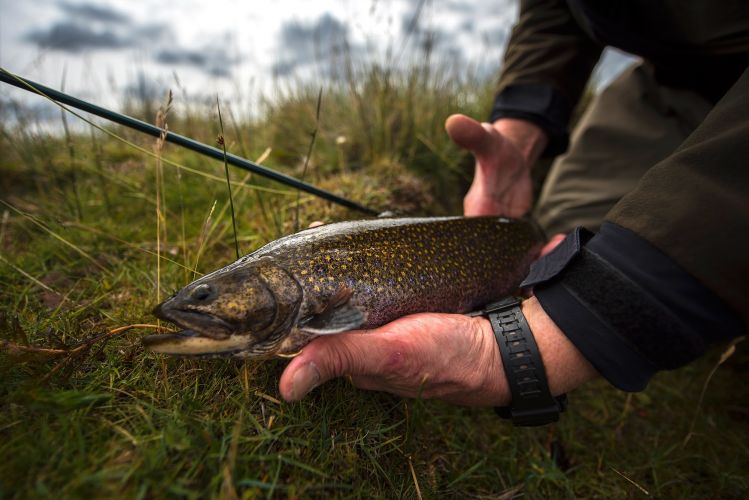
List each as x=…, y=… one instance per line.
x=202, y=292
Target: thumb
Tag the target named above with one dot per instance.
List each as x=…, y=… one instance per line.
x=324, y=359
x=469, y=134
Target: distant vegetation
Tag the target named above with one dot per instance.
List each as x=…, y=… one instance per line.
x=84, y=220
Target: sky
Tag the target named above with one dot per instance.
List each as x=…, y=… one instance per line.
x=104, y=50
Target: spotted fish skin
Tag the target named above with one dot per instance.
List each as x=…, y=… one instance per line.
x=402, y=266
x=379, y=269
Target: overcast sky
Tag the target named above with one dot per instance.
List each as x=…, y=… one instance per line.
x=106, y=48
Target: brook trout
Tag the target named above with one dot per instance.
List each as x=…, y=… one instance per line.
x=346, y=276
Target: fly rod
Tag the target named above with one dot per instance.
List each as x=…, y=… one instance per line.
x=180, y=140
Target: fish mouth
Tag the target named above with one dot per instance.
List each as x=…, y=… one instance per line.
x=203, y=336
x=196, y=322
x=191, y=344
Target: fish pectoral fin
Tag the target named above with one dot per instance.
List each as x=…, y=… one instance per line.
x=341, y=297
x=335, y=320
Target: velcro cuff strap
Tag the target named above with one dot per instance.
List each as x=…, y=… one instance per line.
x=610, y=354
x=629, y=308
x=633, y=312
x=557, y=260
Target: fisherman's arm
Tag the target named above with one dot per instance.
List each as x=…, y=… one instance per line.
x=666, y=276
x=546, y=66
x=444, y=356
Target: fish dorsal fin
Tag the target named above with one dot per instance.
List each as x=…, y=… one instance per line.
x=338, y=316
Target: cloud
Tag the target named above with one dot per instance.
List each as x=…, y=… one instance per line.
x=326, y=30
x=88, y=26
x=467, y=25
x=420, y=39
x=73, y=37
x=302, y=44
x=151, y=32
x=92, y=12
x=182, y=56
x=93, y=27
x=459, y=33
x=458, y=6
x=213, y=60
x=284, y=68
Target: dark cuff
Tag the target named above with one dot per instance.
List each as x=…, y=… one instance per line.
x=539, y=104
x=627, y=307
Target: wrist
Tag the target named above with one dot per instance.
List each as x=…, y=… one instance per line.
x=566, y=367
x=529, y=139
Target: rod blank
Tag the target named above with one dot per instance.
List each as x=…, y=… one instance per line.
x=179, y=140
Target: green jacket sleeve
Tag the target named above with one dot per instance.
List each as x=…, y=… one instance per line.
x=547, y=64
x=694, y=205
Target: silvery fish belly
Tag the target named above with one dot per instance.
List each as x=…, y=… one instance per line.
x=346, y=276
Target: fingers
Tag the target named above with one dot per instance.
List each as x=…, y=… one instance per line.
x=327, y=358
x=429, y=355
x=469, y=134
x=552, y=244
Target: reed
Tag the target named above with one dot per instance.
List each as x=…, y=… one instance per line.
x=221, y=142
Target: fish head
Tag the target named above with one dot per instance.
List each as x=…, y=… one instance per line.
x=242, y=310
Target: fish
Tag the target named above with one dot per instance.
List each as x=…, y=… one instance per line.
x=354, y=275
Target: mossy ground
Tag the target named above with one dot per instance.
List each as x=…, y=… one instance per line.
x=79, y=246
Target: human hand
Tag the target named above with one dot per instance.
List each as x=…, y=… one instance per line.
x=505, y=151
x=444, y=356
x=429, y=355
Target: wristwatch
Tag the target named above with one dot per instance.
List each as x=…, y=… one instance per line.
x=532, y=403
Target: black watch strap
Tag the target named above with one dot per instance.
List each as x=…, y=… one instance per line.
x=532, y=402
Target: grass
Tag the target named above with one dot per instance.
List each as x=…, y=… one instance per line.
x=116, y=421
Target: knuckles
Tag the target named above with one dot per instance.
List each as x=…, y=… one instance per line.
x=447, y=361
x=341, y=359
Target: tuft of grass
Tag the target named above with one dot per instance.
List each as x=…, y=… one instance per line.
x=116, y=421
x=71, y=154
x=159, y=143
x=312, y=140
x=221, y=142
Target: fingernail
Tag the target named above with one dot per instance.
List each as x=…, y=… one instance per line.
x=305, y=379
